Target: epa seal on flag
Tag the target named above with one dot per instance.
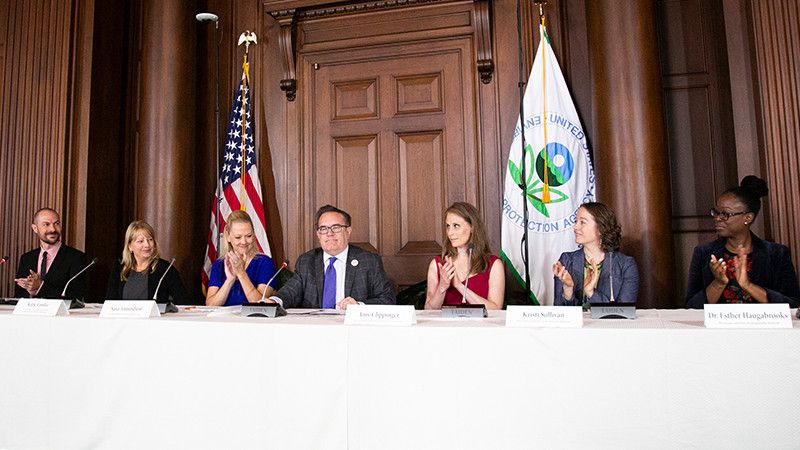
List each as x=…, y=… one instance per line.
x=559, y=176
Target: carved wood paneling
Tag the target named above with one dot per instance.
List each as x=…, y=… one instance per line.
x=776, y=36
x=35, y=39
x=287, y=37
x=419, y=94
x=358, y=195
x=702, y=152
x=355, y=100
x=424, y=119
x=483, y=33
x=422, y=192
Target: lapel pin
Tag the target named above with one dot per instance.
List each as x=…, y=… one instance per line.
x=354, y=262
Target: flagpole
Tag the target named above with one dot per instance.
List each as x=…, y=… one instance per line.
x=246, y=38
x=523, y=177
x=523, y=183
x=542, y=37
x=245, y=84
x=218, y=190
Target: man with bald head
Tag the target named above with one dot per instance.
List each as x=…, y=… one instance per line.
x=44, y=271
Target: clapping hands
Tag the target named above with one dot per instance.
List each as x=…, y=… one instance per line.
x=718, y=268
x=592, y=277
x=447, y=273
x=563, y=274
x=234, y=265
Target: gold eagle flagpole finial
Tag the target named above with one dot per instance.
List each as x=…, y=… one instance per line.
x=246, y=38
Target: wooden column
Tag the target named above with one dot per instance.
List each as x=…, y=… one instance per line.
x=776, y=35
x=630, y=139
x=164, y=153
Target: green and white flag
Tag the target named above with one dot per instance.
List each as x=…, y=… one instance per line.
x=559, y=176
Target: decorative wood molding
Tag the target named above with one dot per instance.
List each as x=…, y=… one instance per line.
x=333, y=8
x=288, y=32
x=483, y=32
x=289, y=12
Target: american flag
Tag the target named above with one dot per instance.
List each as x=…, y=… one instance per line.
x=241, y=186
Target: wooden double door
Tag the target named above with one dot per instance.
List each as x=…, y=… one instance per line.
x=390, y=137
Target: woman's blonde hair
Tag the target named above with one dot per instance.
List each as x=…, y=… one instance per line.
x=128, y=260
x=237, y=216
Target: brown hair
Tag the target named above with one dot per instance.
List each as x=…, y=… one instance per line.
x=607, y=225
x=478, y=238
x=128, y=260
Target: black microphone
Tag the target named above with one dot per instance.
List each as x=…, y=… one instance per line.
x=470, y=247
x=64, y=292
x=283, y=266
x=155, y=294
x=4, y=259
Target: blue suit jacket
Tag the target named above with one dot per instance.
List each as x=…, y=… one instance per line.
x=625, y=279
x=365, y=281
x=772, y=269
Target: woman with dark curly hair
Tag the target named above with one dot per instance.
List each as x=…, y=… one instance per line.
x=739, y=267
x=597, y=266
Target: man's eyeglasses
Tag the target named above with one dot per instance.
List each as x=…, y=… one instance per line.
x=335, y=228
x=724, y=216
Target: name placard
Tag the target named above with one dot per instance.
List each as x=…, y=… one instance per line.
x=41, y=307
x=129, y=309
x=271, y=310
x=616, y=310
x=759, y=315
x=465, y=311
x=385, y=315
x=544, y=316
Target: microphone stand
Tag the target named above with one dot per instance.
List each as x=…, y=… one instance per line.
x=466, y=280
x=75, y=303
x=611, y=275
x=283, y=266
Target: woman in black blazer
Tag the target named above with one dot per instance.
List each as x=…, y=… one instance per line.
x=136, y=277
x=739, y=267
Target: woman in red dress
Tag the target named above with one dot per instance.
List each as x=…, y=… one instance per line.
x=466, y=272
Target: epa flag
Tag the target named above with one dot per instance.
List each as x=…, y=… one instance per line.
x=241, y=186
x=559, y=176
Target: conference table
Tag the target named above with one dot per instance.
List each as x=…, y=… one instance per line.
x=209, y=378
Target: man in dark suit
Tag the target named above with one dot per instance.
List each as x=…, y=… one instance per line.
x=43, y=272
x=336, y=274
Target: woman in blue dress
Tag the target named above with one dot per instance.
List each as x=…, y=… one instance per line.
x=241, y=274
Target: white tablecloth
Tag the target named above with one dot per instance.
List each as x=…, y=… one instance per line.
x=190, y=381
